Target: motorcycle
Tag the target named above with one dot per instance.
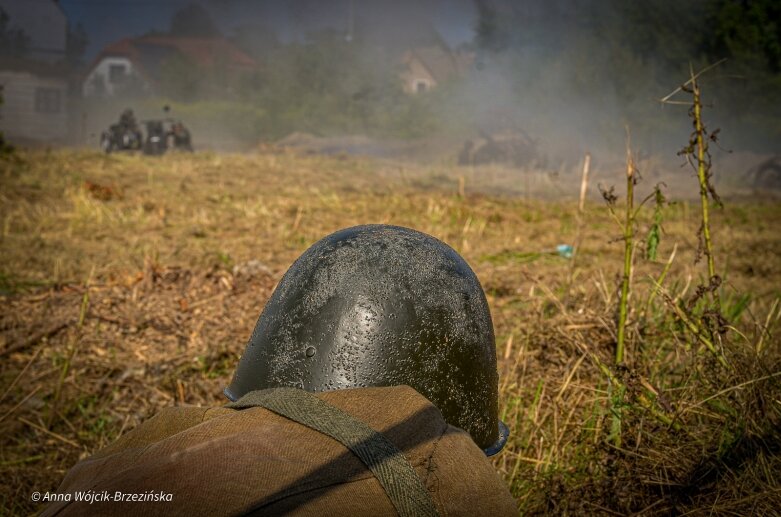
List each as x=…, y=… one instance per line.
x=179, y=137
x=120, y=138
x=159, y=139
x=156, y=138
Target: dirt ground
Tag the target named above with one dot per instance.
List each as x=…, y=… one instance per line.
x=130, y=283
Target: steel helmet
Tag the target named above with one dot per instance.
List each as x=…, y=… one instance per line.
x=380, y=305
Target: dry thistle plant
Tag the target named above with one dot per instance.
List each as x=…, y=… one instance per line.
x=697, y=153
x=720, y=424
x=646, y=396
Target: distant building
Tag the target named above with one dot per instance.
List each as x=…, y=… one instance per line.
x=35, y=85
x=427, y=67
x=35, y=103
x=137, y=62
x=44, y=24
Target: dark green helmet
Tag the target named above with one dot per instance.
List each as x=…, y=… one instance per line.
x=381, y=305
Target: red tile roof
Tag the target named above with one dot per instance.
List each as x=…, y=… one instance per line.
x=146, y=52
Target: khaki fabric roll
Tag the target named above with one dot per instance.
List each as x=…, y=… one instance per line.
x=220, y=461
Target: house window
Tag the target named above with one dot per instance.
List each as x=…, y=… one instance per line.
x=421, y=86
x=48, y=100
x=116, y=73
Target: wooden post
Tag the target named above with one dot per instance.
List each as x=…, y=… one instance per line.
x=581, y=208
x=584, y=182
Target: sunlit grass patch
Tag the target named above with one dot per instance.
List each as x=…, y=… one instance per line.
x=177, y=256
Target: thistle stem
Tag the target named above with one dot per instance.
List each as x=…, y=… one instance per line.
x=702, y=176
x=629, y=223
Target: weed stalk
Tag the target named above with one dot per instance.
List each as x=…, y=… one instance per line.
x=68, y=361
x=643, y=399
x=698, y=146
x=580, y=218
x=703, y=176
x=629, y=234
x=659, y=281
x=695, y=329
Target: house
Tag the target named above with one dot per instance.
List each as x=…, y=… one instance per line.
x=137, y=62
x=35, y=102
x=35, y=84
x=426, y=67
x=44, y=25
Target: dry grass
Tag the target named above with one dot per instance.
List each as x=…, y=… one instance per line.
x=132, y=283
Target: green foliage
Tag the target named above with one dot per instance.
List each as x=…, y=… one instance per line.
x=325, y=86
x=749, y=35
x=180, y=78
x=652, y=242
x=330, y=86
x=509, y=256
x=749, y=32
x=347, y=83
x=655, y=232
x=657, y=31
x=734, y=306
x=257, y=39
x=14, y=42
x=76, y=44
x=6, y=149
x=193, y=21
x=651, y=46
x=9, y=284
x=490, y=34
x=208, y=117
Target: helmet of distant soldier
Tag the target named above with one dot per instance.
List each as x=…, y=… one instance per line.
x=381, y=305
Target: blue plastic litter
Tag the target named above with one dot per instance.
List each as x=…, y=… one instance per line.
x=564, y=250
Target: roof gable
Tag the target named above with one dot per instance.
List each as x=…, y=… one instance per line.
x=440, y=62
x=149, y=52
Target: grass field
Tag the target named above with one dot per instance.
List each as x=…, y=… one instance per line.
x=131, y=283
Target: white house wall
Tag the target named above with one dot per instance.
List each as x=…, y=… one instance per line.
x=415, y=74
x=101, y=73
x=19, y=115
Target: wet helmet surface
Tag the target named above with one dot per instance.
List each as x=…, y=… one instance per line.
x=380, y=305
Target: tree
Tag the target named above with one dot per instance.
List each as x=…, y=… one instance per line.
x=747, y=31
x=13, y=41
x=490, y=34
x=257, y=40
x=180, y=79
x=5, y=148
x=76, y=44
x=193, y=21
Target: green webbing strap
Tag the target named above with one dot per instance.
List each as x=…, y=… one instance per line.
x=403, y=487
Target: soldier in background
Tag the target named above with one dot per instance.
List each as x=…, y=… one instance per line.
x=127, y=121
x=179, y=137
x=123, y=135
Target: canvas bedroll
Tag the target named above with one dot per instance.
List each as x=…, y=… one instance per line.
x=223, y=461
